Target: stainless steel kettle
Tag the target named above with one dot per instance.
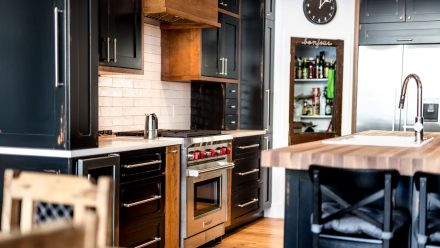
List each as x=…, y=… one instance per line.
x=151, y=125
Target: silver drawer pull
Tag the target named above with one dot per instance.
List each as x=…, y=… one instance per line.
x=174, y=151
x=130, y=166
x=248, y=172
x=154, y=198
x=155, y=240
x=248, y=203
x=248, y=147
x=404, y=39
x=233, y=107
x=221, y=166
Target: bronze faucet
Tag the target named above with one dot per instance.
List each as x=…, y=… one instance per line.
x=418, y=124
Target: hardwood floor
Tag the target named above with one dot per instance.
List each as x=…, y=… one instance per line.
x=264, y=233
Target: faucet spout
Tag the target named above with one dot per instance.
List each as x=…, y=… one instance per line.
x=418, y=124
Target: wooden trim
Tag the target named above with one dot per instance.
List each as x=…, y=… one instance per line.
x=151, y=21
x=337, y=102
x=170, y=26
x=172, y=196
x=355, y=67
x=229, y=13
x=108, y=70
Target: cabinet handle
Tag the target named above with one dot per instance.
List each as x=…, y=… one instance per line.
x=155, y=240
x=233, y=107
x=233, y=122
x=401, y=17
x=226, y=66
x=248, y=147
x=115, y=49
x=409, y=17
x=267, y=142
x=405, y=39
x=58, y=172
x=247, y=203
x=222, y=66
x=248, y=172
x=108, y=49
x=130, y=166
x=154, y=198
x=174, y=151
x=268, y=109
x=56, y=11
x=233, y=91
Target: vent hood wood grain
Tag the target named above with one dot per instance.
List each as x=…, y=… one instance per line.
x=183, y=14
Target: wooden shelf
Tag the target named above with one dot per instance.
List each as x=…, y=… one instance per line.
x=316, y=116
x=313, y=80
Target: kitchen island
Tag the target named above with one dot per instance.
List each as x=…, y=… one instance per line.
x=297, y=159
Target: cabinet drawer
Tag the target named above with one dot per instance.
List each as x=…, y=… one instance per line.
x=142, y=231
x=247, y=146
x=137, y=165
x=231, y=122
x=142, y=199
x=231, y=106
x=246, y=170
x=246, y=201
x=230, y=5
x=231, y=91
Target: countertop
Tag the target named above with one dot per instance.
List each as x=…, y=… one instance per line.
x=244, y=133
x=406, y=160
x=106, y=145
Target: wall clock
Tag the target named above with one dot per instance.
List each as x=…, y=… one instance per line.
x=319, y=11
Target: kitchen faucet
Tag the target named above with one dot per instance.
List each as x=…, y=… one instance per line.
x=418, y=124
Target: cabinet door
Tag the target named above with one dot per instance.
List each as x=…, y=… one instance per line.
x=229, y=45
x=266, y=174
x=124, y=48
x=104, y=35
x=32, y=68
x=377, y=11
x=230, y=5
x=422, y=10
x=269, y=43
x=211, y=61
x=269, y=7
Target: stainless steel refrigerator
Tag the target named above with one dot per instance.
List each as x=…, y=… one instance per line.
x=381, y=71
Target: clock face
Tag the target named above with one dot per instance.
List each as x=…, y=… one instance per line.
x=319, y=11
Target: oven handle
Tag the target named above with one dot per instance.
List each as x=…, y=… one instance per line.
x=154, y=198
x=196, y=173
x=130, y=166
x=155, y=240
x=247, y=203
x=248, y=172
x=247, y=147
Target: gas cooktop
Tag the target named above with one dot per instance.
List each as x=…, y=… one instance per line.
x=174, y=133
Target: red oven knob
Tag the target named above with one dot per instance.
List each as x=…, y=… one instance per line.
x=201, y=154
x=196, y=155
x=213, y=153
x=228, y=150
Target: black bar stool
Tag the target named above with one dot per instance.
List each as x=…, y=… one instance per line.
x=354, y=208
x=427, y=226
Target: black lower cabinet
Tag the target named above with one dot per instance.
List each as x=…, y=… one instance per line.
x=247, y=197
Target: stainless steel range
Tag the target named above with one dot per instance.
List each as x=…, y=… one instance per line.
x=204, y=180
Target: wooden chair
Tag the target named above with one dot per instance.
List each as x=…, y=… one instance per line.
x=26, y=194
x=59, y=234
x=354, y=208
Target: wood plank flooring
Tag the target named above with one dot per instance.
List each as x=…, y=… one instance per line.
x=264, y=233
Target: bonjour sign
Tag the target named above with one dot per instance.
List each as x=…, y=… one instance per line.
x=316, y=43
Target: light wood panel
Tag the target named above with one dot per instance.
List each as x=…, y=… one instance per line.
x=264, y=233
x=172, y=193
x=406, y=160
x=355, y=67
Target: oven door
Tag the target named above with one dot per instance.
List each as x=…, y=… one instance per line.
x=207, y=197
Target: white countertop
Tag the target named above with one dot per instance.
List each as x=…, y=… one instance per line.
x=244, y=133
x=106, y=145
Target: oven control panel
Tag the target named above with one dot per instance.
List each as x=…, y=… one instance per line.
x=208, y=151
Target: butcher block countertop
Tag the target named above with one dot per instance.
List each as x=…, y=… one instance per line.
x=406, y=160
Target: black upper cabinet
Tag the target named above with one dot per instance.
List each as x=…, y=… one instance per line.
x=49, y=84
x=382, y=11
x=120, y=33
x=376, y=11
x=220, y=49
x=422, y=10
x=230, y=5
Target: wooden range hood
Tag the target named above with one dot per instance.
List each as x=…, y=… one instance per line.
x=183, y=13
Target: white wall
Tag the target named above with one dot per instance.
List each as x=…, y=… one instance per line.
x=291, y=22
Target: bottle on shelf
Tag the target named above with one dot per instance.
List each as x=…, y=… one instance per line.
x=311, y=70
x=305, y=70
x=318, y=63
x=322, y=102
x=328, y=107
x=326, y=68
x=299, y=68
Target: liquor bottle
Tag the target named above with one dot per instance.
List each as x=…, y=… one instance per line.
x=326, y=68
x=318, y=63
x=305, y=70
x=311, y=68
x=322, y=101
x=299, y=68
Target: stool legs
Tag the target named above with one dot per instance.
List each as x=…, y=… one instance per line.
x=422, y=211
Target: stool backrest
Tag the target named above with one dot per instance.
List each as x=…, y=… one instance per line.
x=25, y=192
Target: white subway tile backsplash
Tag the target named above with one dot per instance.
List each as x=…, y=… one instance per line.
x=124, y=99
